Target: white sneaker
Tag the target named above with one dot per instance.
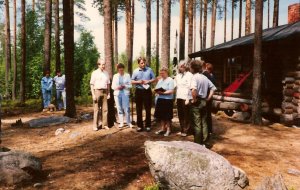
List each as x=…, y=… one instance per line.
x=179, y=133
x=121, y=125
x=131, y=126
x=167, y=133
x=183, y=134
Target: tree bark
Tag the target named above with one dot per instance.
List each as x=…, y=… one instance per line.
x=201, y=25
x=68, y=22
x=132, y=28
x=128, y=34
x=23, y=53
x=182, y=29
x=213, y=22
x=165, y=49
x=157, y=37
x=248, y=18
x=204, y=24
x=14, y=87
x=7, y=48
x=116, y=51
x=225, y=19
x=257, y=64
x=275, y=13
x=240, y=18
x=108, y=37
x=47, y=37
x=57, y=39
x=148, y=30
x=195, y=25
x=232, y=18
x=33, y=5
x=191, y=26
x=268, y=13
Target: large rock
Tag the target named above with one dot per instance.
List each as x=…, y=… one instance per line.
x=18, y=167
x=275, y=182
x=189, y=166
x=48, y=121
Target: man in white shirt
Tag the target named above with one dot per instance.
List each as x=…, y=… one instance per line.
x=202, y=91
x=100, y=89
x=183, y=96
x=59, y=81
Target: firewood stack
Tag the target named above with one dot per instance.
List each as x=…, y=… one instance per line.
x=288, y=108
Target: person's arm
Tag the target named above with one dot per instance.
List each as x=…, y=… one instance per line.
x=152, y=78
x=171, y=87
x=114, y=83
x=128, y=82
x=194, y=95
x=133, y=79
x=92, y=87
x=194, y=89
x=108, y=91
x=212, y=89
x=50, y=85
x=211, y=93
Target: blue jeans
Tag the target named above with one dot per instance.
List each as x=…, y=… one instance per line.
x=61, y=99
x=122, y=103
x=46, y=97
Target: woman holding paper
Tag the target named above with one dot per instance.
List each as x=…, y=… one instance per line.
x=164, y=106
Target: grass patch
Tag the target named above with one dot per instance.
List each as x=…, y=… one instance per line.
x=152, y=187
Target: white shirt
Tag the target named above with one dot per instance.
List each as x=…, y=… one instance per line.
x=60, y=82
x=116, y=82
x=100, y=79
x=183, y=83
x=202, y=84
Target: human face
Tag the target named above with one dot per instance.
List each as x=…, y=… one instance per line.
x=101, y=65
x=181, y=69
x=59, y=74
x=142, y=64
x=163, y=74
x=121, y=71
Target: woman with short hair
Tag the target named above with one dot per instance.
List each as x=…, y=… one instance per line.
x=121, y=85
x=164, y=106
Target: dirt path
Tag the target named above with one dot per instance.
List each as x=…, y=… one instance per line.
x=114, y=159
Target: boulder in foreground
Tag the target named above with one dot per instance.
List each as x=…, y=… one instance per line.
x=190, y=166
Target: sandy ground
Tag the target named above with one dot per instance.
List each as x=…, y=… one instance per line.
x=114, y=159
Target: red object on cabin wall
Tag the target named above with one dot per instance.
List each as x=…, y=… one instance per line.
x=294, y=13
x=236, y=84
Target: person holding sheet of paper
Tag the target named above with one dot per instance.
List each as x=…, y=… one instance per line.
x=142, y=77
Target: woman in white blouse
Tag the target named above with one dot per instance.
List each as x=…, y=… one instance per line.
x=121, y=85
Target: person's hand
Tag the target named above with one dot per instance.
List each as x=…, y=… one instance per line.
x=94, y=98
x=187, y=101
x=108, y=96
x=160, y=92
x=193, y=101
x=145, y=82
x=121, y=87
x=139, y=82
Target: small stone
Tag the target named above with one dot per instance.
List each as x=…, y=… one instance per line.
x=59, y=131
x=37, y=185
x=293, y=172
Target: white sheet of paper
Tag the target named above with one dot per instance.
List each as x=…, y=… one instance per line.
x=146, y=86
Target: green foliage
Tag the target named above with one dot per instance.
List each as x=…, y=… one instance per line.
x=85, y=100
x=152, y=187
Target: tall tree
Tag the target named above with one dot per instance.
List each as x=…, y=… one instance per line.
x=257, y=64
x=240, y=18
x=195, y=25
x=268, y=13
x=116, y=52
x=68, y=22
x=191, y=27
x=7, y=48
x=232, y=18
x=14, y=87
x=248, y=17
x=213, y=22
x=204, y=23
x=47, y=37
x=157, y=36
x=33, y=5
x=57, y=39
x=132, y=28
x=166, y=21
x=275, y=13
x=23, y=53
x=128, y=34
x=225, y=19
x=182, y=29
x=148, y=30
x=201, y=24
x=107, y=36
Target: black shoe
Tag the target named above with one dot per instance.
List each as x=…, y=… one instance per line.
x=139, y=129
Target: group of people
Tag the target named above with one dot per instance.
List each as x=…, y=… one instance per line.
x=192, y=87
x=47, y=85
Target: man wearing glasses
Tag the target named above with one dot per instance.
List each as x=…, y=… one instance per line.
x=100, y=89
x=142, y=77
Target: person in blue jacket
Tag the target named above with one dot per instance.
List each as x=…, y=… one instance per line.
x=46, y=83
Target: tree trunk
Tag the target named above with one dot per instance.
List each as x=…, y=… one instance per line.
x=213, y=22
x=195, y=25
x=108, y=36
x=68, y=22
x=157, y=37
x=248, y=17
x=33, y=5
x=275, y=13
x=240, y=18
x=47, y=37
x=232, y=18
x=116, y=52
x=225, y=19
x=204, y=24
x=182, y=30
x=148, y=44
x=57, y=39
x=14, y=87
x=191, y=27
x=165, y=49
x=268, y=13
x=257, y=64
x=23, y=53
x=7, y=48
x=201, y=24
x=128, y=35
x=132, y=28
